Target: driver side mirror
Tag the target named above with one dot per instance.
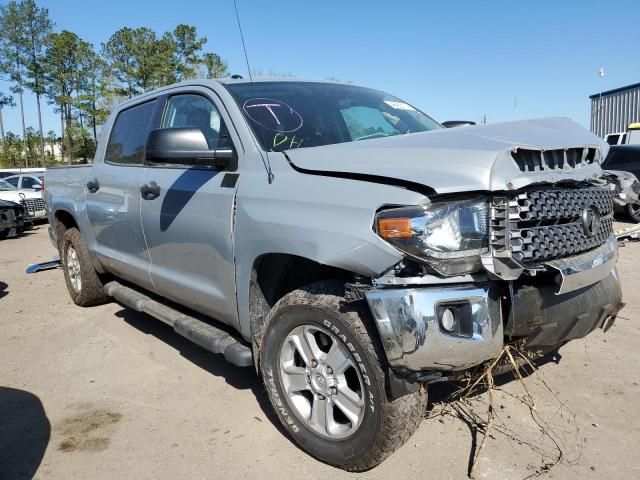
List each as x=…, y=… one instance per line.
x=186, y=146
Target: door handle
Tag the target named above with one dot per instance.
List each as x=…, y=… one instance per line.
x=93, y=185
x=150, y=190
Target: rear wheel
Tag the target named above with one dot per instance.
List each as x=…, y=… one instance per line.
x=83, y=283
x=633, y=210
x=324, y=373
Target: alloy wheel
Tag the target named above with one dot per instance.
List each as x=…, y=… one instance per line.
x=73, y=269
x=322, y=381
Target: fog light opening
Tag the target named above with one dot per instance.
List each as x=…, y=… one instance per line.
x=455, y=318
x=448, y=320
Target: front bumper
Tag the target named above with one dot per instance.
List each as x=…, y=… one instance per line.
x=546, y=315
x=407, y=320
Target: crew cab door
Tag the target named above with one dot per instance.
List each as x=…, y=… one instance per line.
x=187, y=216
x=113, y=196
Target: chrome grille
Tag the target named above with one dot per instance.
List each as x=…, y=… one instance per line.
x=542, y=225
x=34, y=204
x=559, y=159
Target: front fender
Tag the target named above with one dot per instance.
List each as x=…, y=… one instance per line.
x=326, y=220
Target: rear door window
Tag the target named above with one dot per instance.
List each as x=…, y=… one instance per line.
x=129, y=135
x=13, y=181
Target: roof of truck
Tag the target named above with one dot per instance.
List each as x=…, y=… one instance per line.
x=227, y=80
x=223, y=81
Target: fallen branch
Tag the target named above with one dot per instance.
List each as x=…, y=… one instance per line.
x=461, y=405
x=491, y=415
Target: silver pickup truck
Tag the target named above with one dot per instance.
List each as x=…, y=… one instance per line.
x=341, y=242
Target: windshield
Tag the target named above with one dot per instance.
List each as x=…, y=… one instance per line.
x=288, y=115
x=6, y=187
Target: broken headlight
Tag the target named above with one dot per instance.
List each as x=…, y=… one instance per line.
x=448, y=236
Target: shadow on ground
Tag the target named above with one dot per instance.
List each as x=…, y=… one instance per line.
x=246, y=378
x=24, y=434
x=237, y=377
x=26, y=233
x=3, y=289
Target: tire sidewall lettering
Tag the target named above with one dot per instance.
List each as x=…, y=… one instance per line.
x=279, y=404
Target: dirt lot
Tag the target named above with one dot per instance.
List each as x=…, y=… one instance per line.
x=109, y=393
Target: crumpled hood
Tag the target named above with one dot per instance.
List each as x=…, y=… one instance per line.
x=462, y=159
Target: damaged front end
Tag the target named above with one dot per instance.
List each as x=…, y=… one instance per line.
x=544, y=273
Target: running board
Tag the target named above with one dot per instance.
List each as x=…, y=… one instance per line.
x=39, y=267
x=207, y=336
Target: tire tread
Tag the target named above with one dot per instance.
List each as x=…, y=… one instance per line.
x=400, y=417
x=92, y=291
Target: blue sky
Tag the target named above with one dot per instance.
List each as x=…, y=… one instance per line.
x=454, y=60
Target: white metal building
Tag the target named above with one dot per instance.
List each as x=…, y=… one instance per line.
x=613, y=110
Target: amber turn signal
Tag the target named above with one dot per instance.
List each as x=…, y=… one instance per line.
x=395, y=227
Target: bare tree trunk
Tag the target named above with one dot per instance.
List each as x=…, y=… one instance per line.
x=41, y=133
x=93, y=116
x=95, y=130
x=68, y=127
x=84, y=157
x=79, y=109
x=62, y=135
x=24, y=131
x=1, y=127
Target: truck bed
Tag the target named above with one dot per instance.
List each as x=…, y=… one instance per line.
x=65, y=186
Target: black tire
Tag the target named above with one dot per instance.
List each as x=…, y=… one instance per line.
x=386, y=425
x=91, y=290
x=633, y=212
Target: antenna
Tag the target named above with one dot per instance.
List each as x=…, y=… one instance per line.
x=246, y=58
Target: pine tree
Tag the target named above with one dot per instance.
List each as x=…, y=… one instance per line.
x=36, y=26
x=5, y=101
x=11, y=59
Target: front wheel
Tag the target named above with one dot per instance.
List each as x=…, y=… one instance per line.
x=323, y=369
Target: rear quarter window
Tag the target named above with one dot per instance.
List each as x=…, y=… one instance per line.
x=129, y=135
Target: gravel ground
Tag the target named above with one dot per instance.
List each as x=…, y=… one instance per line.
x=106, y=392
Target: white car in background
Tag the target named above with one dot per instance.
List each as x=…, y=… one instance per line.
x=32, y=182
x=32, y=200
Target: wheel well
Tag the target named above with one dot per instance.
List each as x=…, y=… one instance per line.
x=275, y=274
x=64, y=221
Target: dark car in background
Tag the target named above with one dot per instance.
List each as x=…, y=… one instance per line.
x=625, y=158
x=14, y=219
